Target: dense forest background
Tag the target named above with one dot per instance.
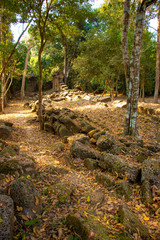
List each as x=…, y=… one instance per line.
x=83, y=42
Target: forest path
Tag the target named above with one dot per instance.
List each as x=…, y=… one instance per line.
x=52, y=169
x=77, y=184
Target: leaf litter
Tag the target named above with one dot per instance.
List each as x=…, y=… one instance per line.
x=49, y=171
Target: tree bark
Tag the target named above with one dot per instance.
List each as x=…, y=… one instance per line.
x=125, y=53
x=131, y=117
x=40, y=87
x=2, y=65
x=132, y=67
x=24, y=73
x=65, y=64
x=156, y=91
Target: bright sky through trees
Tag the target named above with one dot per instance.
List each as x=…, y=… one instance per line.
x=18, y=28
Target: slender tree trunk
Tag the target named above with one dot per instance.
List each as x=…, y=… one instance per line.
x=13, y=50
x=40, y=87
x=132, y=67
x=131, y=126
x=65, y=64
x=117, y=80
x=2, y=65
x=112, y=89
x=24, y=73
x=156, y=91
x=126, y=59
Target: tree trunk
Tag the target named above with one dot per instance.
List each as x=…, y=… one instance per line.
x=126, y=59
x=112, y=90
x=65, y=64
x=156, y=91
x=40, y=87
x=132, y=109
x=132, y=67
x=24, y=73
x=2, y=65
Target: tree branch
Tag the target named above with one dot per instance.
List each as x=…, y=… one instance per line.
x=10, y=56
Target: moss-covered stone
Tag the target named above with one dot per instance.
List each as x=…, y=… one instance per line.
x=88, y=227
x=6, y=217
x=64, y=192
x=105, y=179
x=105, y=142
x=114, y=164
x=8, y=166
x=150, y=176
x=123, y=188
x=132, y=223
x=83, y=151
x=25, y=195
x=58, y=146
x=48, y=127
x=10, y=150
x=91, y=164
x=78, y=137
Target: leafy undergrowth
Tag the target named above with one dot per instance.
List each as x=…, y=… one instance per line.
x=54, y=172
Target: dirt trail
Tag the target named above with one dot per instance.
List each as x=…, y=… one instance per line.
x=52, y=168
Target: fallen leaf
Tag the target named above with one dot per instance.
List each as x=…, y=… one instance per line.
x=88, y=199
x=36, y=201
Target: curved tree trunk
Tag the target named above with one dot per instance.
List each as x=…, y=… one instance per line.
x=156, y=91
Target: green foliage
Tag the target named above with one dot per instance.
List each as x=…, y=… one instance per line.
x=31, y=222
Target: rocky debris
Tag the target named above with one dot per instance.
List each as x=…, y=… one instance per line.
x=150, y=176
x=104, y=99
x=85, y=126
x=23, y=165
x=87, y=227
x=6, y=217
x=96, y=197
x=10, y=150
x=105, y=142
x=148, y=110
x=8, y=165
x=92, y=132
x=48, y=127
x=83, y=151
x=98, y=134
x=65, y=122
x=11, y=160
x=64, y=192
x=78, y=137
x=61, y=130
x=114, y=164
x=123, y=188
x=91, y=164
x=26, y=165
x=25, y=195
x=58, y=147
x=69, y=124
x=152, y=147
x=132, y=223
x=5, y=131
x=105, y=179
